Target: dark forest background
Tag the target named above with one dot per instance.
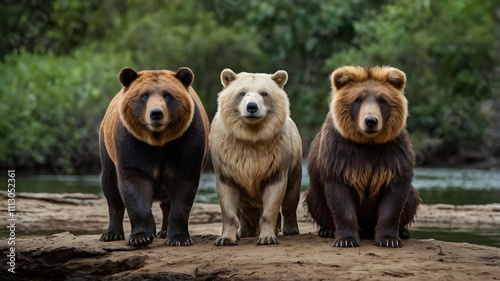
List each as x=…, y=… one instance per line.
x=59, y=62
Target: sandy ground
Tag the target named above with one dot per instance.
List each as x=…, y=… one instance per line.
x=302, y=257
x=66, y=256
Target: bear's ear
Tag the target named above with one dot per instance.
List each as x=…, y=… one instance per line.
x=185, y=75
x=227, y=76
x=343, y=76
x=127, y=76
x=396, y=78
x=280, y=77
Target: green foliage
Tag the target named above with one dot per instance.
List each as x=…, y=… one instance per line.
x=298, y=36
x=51, y=105
x=49, y=26
x=60, y=99
x=188, y=36
x=60, y=60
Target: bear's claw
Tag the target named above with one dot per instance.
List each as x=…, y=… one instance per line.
x=389, y=242
x=224, y=241
x=162, y=234
x=267, y=240
x=404, y=233
x=179, y=240
x=345, y=242
x=141, y=239
x=112, y=236
x=326, y=232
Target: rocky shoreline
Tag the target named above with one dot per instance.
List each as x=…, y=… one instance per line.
x=71, y=223
x=87, y=213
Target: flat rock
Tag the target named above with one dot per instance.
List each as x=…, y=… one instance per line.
x=65, y=256
x=57, y=238
x=87, y=214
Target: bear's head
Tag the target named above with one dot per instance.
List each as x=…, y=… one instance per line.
x=368, y=104
x=156, y=106
x=253, y=106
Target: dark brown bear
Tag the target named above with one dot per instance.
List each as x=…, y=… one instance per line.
x=361, y=162
x=153, y=144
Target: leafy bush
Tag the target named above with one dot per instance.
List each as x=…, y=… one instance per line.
x=60, y=61
x=51, y=106
x=186, y=35
x=299, y=36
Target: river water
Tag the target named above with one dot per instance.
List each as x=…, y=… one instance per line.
x=436, y=185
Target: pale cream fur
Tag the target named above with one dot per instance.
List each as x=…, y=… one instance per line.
x=248, y=152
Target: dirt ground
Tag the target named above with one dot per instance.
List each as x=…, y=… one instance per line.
x=67, y=256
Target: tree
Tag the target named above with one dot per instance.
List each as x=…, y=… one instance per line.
x=298, y=36
x=54, y=95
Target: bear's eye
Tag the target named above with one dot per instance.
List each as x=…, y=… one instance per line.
x=263, y=94
x=144, y=96
x=381, y=100
x=358, y=100
x=166, y=96
x=242, y=94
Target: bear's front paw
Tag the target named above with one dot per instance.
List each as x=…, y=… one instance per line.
x=389, y=242
x=112, y=236
x=179, y=240
x=326, y=232
x=404, y=233
x=291, y=231
x=140, y=239
x=344, y=242
x=162, y=234
x=224, y=241
x=267, y=240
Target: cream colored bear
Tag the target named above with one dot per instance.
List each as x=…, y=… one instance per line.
x=257, y=156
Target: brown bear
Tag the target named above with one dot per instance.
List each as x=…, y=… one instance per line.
x=361, y=162
x=257, y=157
x=153, y=143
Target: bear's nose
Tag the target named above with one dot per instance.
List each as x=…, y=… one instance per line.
x=156, y=114
x=252, y=107
x=371, y=121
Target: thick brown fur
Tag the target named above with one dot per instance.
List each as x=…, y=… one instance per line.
x=256, y=152
x=153, y=144
x=361, y=162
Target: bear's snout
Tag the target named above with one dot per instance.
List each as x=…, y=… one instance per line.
x=252, y=107
x=157, y=119
x=156, y=114
x=371, y=121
